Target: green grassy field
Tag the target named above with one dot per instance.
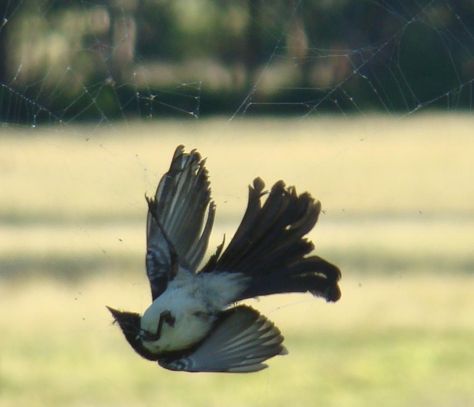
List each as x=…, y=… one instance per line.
x=398, y=218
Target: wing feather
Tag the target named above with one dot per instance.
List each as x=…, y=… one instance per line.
x=241, y=341
x=180, y=219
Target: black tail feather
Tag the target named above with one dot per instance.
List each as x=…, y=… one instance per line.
x=312, y=274
x=270, y=247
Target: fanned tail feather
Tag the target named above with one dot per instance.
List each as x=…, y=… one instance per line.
x=269, y=246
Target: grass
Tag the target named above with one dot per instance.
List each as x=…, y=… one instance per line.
x=398, y=218
x=390, y=341
x=355, y=166
x=393, y=191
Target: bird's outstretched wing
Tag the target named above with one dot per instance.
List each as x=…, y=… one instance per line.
x=177, y=226
x=239, y=343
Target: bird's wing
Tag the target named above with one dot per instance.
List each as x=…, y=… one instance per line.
x=178, y=228
x=241, y=340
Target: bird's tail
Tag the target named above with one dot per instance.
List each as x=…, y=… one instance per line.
x=270, y=248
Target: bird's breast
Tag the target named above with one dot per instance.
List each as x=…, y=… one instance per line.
x=191, y=314
x=187, y=330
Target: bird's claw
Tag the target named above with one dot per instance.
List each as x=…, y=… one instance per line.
x=168, y=318
x=165, y=316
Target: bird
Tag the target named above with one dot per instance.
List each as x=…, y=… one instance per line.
x=197, y=321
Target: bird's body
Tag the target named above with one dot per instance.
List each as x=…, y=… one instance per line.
x=194, y=322
x=194, y=301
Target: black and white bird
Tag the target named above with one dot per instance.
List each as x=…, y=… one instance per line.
x=194, y=323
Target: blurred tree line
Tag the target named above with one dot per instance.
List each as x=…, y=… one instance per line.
x=63, y=60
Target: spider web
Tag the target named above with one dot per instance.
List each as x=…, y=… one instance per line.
x=380, y=71
x=61, y=64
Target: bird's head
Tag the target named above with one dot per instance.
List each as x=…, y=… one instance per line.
x=129, y=323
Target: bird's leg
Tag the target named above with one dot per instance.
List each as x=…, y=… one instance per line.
x=170, y=319
x=165, y=316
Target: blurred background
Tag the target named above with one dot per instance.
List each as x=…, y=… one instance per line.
x=367, y=105
x=116, y=59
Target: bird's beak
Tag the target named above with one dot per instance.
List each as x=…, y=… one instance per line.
x=129, y=322
x=115, y=313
